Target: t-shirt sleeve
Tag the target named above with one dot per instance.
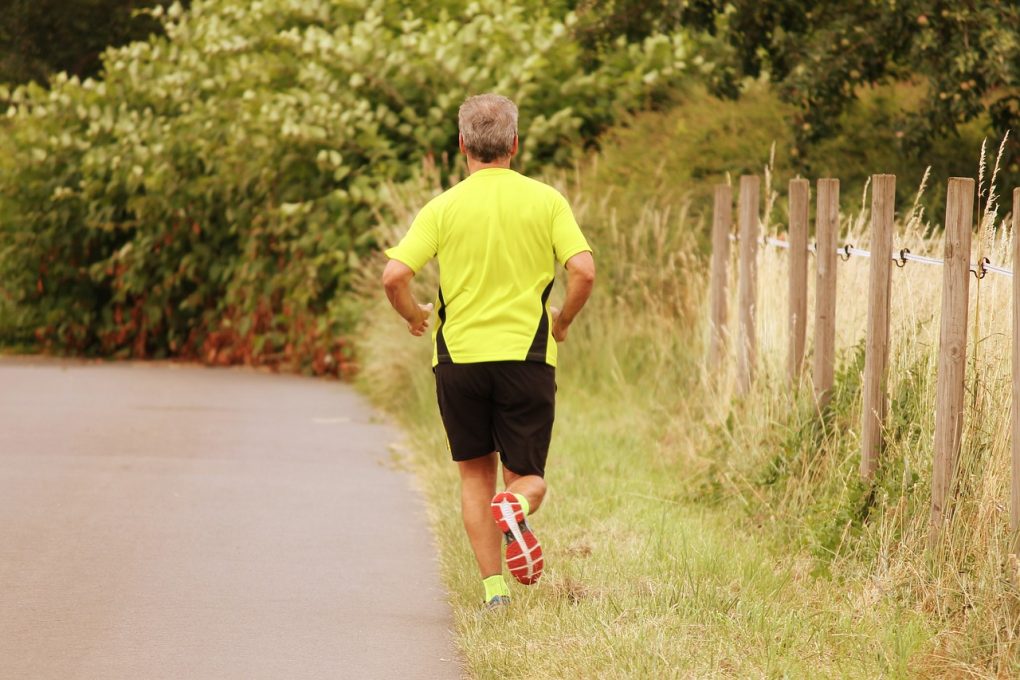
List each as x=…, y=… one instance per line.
x=420, y=243
x=566, y=235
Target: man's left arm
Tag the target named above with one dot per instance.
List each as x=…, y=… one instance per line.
x=397, y=282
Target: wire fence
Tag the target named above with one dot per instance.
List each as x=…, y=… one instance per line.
x=901, y=257
x=957, y=263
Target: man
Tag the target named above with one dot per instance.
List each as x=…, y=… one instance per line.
x=497, y=235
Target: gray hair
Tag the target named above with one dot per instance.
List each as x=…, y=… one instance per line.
x=488, y=124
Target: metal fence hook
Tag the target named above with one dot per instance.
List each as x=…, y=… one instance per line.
x=979, y=271
x=901, y=261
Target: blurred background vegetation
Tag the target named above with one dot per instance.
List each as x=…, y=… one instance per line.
x=43, y=37
x=199, y=181
x=217, y=183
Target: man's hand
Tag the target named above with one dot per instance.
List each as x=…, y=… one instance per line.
x=421, y=324
x=559, y=329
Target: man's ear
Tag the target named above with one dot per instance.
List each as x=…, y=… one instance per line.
x=460, y=144
x=513, y=149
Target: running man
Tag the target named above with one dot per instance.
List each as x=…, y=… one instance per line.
x=498, y=236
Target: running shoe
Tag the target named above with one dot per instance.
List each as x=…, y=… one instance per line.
x=497, y=603
x=523, y=552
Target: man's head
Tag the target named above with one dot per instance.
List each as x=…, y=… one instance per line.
x=488, y=127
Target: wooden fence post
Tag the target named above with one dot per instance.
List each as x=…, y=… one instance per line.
x=800, y=196
x=883, y=208
x=750, y=230
x=952, y=344
x=826, y=232
x=722, y=222
x=1014, y=506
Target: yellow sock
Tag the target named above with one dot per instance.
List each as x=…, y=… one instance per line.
x=525, y=506
x=495, y=585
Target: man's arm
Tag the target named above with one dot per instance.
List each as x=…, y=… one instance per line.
x=396, y=280
x=580, y=280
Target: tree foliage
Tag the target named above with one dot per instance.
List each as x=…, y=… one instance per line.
x=822, y=51
x=41, y=37
x=210, y=194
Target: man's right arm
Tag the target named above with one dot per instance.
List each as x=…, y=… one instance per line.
x=580, y=281
x=397, y=282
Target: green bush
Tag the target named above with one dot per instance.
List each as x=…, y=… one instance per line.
x=208, y=196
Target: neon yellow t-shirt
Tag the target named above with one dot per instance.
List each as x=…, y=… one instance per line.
x=498, y=235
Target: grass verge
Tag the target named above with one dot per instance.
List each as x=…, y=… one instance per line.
x=692, y=533
x=661, y=562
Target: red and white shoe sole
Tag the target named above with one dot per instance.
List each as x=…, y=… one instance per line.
x=523, y=553
x=524, y=558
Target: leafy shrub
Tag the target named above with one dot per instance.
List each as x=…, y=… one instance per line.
x=208, y=197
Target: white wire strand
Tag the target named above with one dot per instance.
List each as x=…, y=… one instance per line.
x=921, y=259
x=998, y=270
x=900, y=256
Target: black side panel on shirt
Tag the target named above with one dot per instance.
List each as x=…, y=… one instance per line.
x=541, y=342
x=442, y=352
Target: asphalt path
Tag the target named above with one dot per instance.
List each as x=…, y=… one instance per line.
x=170, y=521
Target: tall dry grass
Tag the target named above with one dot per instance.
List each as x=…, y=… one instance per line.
x=798, y=469
x=792, y=547
x=652, y=569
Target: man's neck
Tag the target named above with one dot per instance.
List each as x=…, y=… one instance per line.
x=475, y=165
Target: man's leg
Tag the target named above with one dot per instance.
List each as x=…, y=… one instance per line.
x=531, y=487
x=525, y=401
x=477, y=484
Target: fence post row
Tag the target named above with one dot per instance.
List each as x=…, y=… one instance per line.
x=952, y=344
x=1014, y=505
x=721, y=224
x=800, y=196
x=750, y=229
x=826, y=232
x=949, y=408
x=876, y=359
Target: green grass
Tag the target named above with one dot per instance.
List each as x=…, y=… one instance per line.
x=692, y=533
x=645, y=577
x=642, y=579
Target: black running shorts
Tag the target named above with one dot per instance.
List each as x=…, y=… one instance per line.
x=505, y=406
